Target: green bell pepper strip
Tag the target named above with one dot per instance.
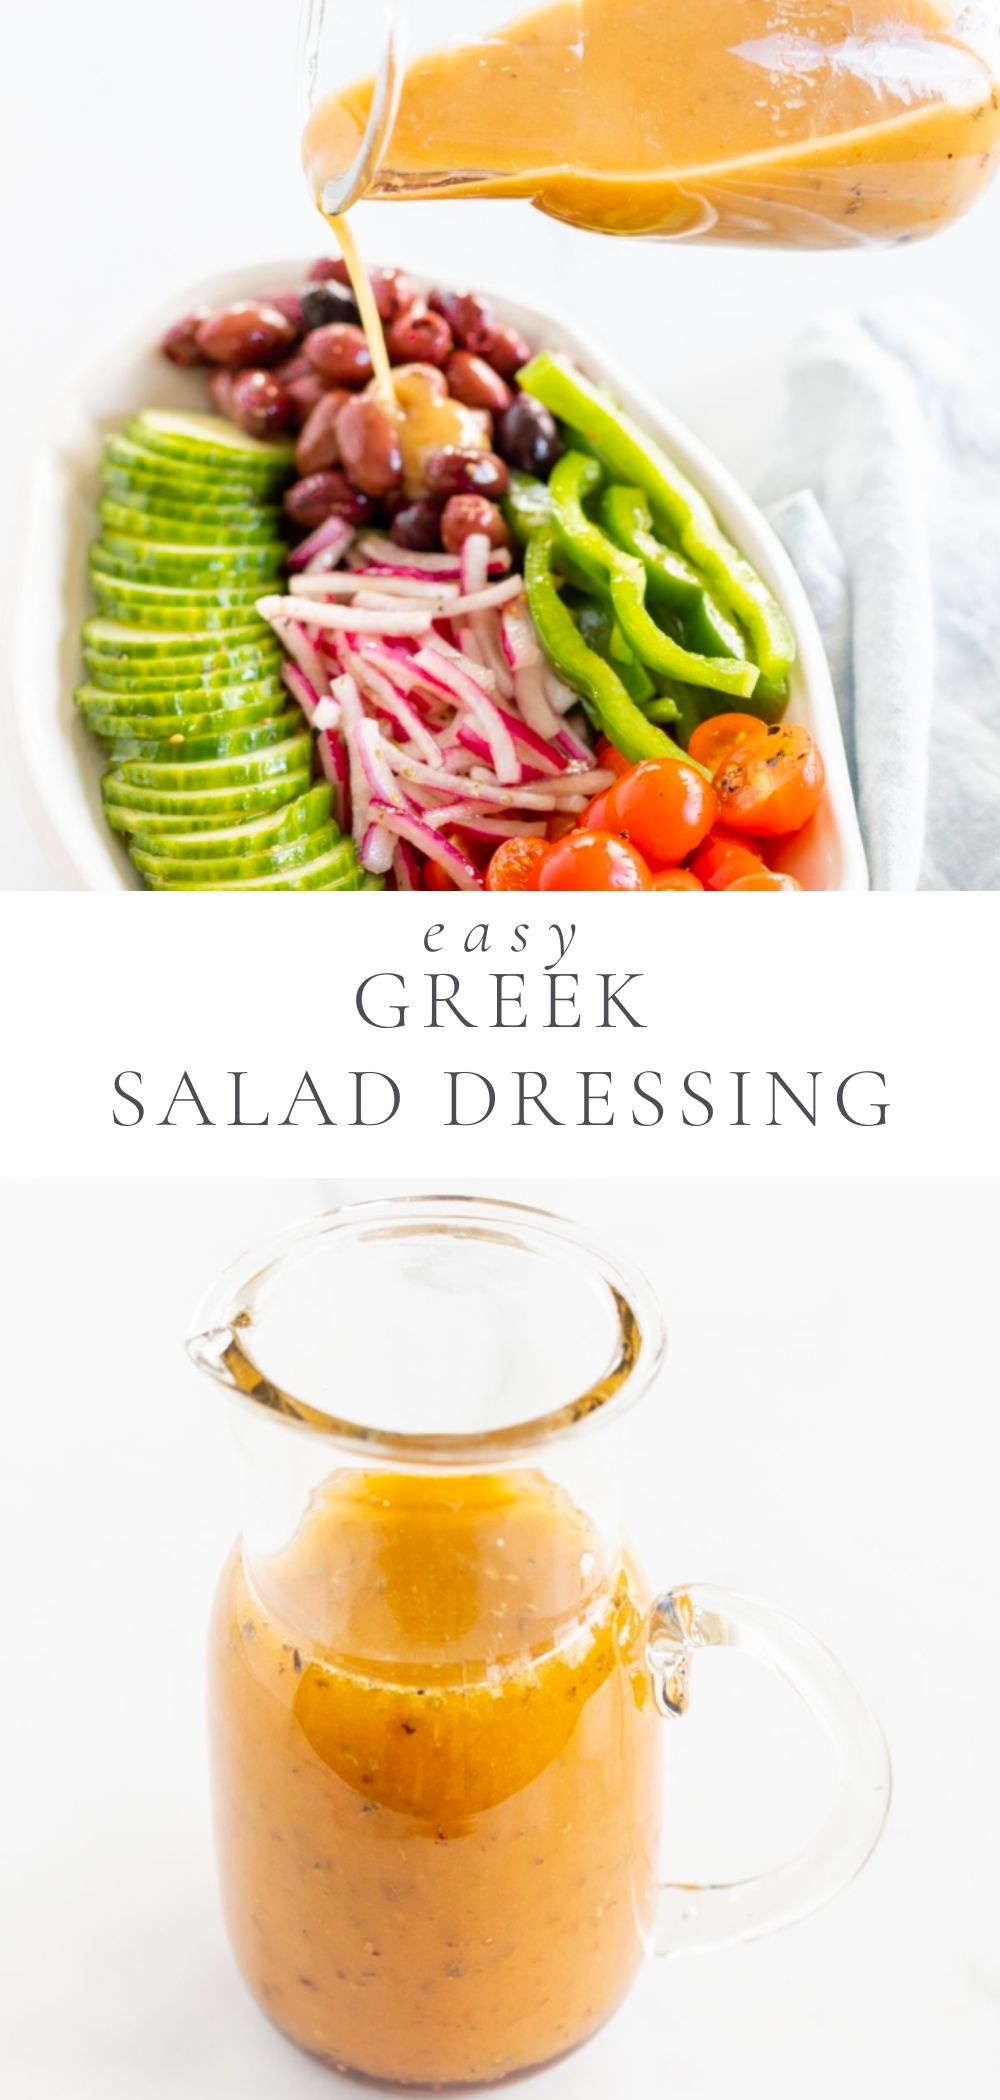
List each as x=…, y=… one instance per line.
x=675, y=584
x=681, y=709
x=671, y=582
x=527, y=505
x=601, y=632
x=676, y=504
x=623, y=576
x=622, y=721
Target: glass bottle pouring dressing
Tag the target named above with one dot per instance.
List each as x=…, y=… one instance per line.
x=806, y=123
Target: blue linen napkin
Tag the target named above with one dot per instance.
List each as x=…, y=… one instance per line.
x=893, y=427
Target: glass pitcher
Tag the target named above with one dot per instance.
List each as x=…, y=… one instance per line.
x=804, y=123
x=440, y=1685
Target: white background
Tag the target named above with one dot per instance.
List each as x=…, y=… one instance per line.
x=823, y=1436
x=142, y=148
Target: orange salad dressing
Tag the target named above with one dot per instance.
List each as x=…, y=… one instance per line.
x=436, y=1777
x=805, y=122
x=416, y=396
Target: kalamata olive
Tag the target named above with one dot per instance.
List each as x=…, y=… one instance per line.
x=419, y=337
x=305, y=393
x=328, y=495
x=450, y=305
x=329, y=266
x=454, y=470
x=181, y=343
x=527, y=437
x=318, y=444
x=395, y=293
x=295, y=367
x=472, y=317
x=220, y=386
x=326, y=302
x=247, y=333
x=474, y=382
x=369, y=445
x=418, y=526
x=340, y=354
x=289, y=304
x=261, y=405
x=502, y=348
x=463, y=515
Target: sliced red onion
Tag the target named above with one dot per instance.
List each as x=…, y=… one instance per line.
x=346, y=692
x=405, y=866
x=293, y=637
x=561, y=696
x=377, y=849
x=475, y=790
x=387, y=698
x=389, y=621
x=486, y=676
x=474, y=563
x=333, y=759
x=524, y=655
x=324, y=548
x=443, y=671
x=353, y=583
x=573, y=746
x=470, y=820
x=406, y=561
x=529, y=740
x=501, y=593
x=327, y=714
x=406, y=825
x=302, y=690
x=381, y=780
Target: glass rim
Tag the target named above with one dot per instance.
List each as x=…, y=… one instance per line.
x=388, y=75
x=218, y=1342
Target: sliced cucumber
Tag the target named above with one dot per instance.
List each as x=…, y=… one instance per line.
x=190, y=524
x=125, y=555
x=126, y=639
x=178, y=699
x=210, y=441
x=168, y=609
x=289, y=756
x=192, y=684
x=165, y=870
x=310, y=812
x=150, y=473
x=337, y=868
x=172, y=730
x=145, y=804
x=189, y=746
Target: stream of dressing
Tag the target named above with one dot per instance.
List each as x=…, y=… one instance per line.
x=416, y=396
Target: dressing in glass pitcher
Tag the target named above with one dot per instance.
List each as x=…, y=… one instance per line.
x=808, y=123
x=440, y=1684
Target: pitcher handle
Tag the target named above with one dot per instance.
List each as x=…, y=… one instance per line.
x=693, y=1918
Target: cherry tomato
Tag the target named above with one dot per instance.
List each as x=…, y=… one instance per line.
x=610, y=759
x=723, y=858
x=773, y=785
x=664, y=806
x=715, y=740
x=593, y=860
x=677, y=879
x=515, y=864
x=595, y=816
x=768, y=879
